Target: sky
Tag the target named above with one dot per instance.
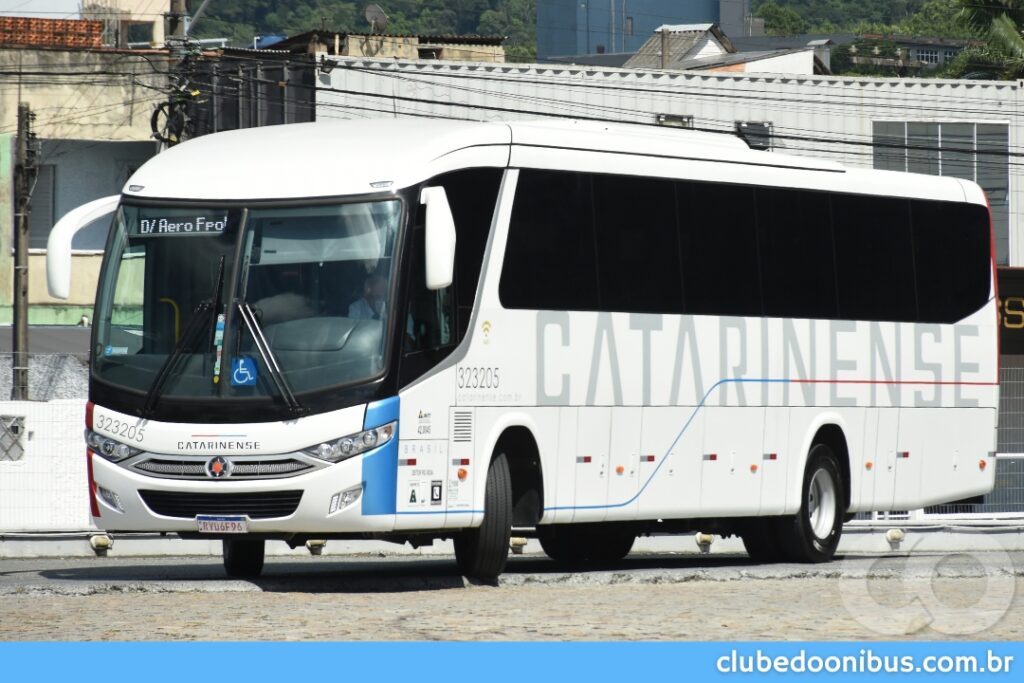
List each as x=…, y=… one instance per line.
x=55, y=9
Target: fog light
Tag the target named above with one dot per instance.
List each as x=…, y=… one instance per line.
x=110, y=498
x=342, y=499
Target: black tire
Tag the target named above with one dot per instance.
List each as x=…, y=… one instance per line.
x=800, y=541
x=481, y=553
x=760, y=538
x=571, y=544
x=562, y=543
x=609, y=544
x=243, y=557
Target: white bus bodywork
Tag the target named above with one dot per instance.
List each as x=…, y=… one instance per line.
x=634, y=416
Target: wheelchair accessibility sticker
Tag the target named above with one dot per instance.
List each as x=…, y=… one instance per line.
x=243, y=372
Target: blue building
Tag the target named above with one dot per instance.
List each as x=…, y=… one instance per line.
x=579, y=27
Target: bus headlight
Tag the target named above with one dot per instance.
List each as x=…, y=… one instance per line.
x=353, y=444
x=114, y=451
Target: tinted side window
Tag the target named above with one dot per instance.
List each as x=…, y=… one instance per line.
x=718, y=241
x=637, y=245
x=472, y=194
x=795, y=243
x=874, y=258
x=550, y=260
x=952, y=252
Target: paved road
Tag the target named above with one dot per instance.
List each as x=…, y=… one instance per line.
x=647, y=597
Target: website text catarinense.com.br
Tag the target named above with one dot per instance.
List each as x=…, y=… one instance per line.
x=865, y=661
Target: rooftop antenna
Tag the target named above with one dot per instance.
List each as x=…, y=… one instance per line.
x=376, y=17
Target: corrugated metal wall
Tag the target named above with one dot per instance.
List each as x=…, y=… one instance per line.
x=829, y=117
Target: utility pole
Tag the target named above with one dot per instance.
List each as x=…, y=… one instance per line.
x=24, y=180
x=177, y=17
x=664, y=48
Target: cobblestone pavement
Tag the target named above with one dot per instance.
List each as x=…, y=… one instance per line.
x=647, y=597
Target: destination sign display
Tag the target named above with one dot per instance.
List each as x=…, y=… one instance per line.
x=1011, y=310
x=193, y=224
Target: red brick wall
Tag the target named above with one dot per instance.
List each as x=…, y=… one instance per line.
x=34, y=32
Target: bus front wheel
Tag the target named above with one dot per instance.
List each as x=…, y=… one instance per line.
x=243, y=557
x=813, y=534
x=482, y=552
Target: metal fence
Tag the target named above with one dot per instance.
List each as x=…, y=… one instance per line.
x=1011, y=410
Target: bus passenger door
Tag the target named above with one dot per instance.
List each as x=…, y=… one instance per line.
x=623, y=463
x=730, y=481
x=592, y=464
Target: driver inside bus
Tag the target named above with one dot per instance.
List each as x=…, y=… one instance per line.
x=370, y=306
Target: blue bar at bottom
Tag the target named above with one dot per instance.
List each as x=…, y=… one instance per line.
x=454, y=662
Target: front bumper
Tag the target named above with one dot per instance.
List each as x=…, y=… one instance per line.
x=311, y=516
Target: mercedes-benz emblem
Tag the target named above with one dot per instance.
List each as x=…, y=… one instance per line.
x=219, y=467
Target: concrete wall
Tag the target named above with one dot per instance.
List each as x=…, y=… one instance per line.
x=92, y=111
x=402, y=47
x=83, y=171
x=89, y=170
x=46, y=489
x=793, y=63
x=93, y=106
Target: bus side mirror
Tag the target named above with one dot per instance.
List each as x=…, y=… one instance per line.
x=439, y=238
x=58, y=246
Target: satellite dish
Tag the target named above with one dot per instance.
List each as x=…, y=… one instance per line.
x=376, y=17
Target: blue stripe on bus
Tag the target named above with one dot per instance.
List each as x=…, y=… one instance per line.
x=682, y=431
x=381, y=412
x=380, y=468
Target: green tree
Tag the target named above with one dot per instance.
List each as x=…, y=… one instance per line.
x=779, y=20
x=516, y=19
x=1000, y=20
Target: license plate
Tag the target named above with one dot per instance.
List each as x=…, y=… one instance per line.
x=209, y=524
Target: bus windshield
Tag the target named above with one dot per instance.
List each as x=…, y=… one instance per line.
x=317, y=279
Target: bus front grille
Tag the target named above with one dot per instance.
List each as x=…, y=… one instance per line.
x=264, y=505
x=242, y=469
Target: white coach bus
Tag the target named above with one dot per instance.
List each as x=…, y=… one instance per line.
x=416, y=330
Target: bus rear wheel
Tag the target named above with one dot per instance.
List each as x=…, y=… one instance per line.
x=813, y=534
x=562, y=543
x=243, y=557
x=482, y=552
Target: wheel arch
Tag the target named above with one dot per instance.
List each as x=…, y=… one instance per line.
x=515, y=436
x=829, y=429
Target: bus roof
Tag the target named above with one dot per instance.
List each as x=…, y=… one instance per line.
x=351, y=157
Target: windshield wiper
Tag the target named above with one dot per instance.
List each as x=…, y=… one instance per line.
x=269, y=359
x=191, y=334
x=184, y=343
